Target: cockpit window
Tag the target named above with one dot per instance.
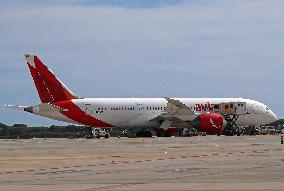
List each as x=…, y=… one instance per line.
x=267, y=109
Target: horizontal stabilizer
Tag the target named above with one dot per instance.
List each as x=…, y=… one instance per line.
x=17, y=107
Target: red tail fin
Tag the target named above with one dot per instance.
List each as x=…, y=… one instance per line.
x=49, y=88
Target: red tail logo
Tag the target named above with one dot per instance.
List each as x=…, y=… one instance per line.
x=49, y=88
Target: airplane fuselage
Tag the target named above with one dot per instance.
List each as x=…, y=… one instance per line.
x=140, y=112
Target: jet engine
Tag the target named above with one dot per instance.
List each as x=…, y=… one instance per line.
x=211, y=123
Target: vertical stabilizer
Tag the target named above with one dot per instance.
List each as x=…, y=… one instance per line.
x=49, y=88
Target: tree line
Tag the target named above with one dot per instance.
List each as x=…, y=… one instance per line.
x=24, y=132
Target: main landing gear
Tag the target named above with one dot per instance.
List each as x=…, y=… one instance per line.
x=144, y=133
x=231, y=128
x=164, y=133
x=97, y=133
x=160, y=132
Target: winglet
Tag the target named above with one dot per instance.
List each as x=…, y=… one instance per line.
x=176, y=105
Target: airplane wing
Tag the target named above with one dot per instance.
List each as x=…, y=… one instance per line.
x=173, y=113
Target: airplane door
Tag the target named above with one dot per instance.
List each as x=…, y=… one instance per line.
x=139, y=108
x=139, y=114
x=240, y=108
x=88, y=109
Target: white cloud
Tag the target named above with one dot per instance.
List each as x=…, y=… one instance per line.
x=195, y=48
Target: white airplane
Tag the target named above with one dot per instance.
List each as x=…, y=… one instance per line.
x=210, y=115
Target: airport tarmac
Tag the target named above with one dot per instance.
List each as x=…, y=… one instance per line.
x=175, y=163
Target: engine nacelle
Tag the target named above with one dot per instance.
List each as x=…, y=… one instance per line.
x=211, y=123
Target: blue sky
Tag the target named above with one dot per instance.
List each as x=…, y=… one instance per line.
x=145, y=48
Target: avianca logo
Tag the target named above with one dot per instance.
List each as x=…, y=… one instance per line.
x=204, y=107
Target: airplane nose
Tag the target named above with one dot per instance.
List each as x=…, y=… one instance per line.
x=273, y=116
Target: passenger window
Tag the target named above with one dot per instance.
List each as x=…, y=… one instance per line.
x=231, y=105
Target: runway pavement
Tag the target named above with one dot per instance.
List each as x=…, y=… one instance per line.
x=176, y=163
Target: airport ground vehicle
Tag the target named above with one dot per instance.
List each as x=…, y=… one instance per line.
x=98, y=133
x=267, y=130
x=232, y=131
x=279, y=129
x=251, y=130
x=202, y=133
x=210, y=115
x=189, y=132
x=257, y=130
x=123, y=133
